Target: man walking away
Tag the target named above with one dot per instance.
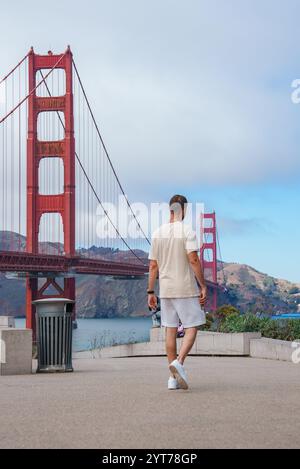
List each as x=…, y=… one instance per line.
x=173, y=255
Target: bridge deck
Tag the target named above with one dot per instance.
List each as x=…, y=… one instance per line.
x=11, y=261
x=109, y=403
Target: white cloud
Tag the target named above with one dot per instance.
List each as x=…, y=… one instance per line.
x=229, y=226
x=200, y=101
x=185, y=92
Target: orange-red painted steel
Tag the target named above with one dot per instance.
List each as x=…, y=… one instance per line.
x=211, y=264
x=64, y=203
x=36, y=264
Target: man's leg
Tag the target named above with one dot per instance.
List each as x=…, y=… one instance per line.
x=171, y=349
x=187, y=343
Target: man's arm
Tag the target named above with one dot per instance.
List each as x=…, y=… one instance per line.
x=198, y=271
x=153, y=271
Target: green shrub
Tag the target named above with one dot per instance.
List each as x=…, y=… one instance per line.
x=226, y=310
x=207, y=326
x=222, y=313
x=273, y=329
x=269, y=283
x=290, y=329
x=242, y=323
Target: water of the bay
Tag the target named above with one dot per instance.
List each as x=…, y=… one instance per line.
x=97, y=333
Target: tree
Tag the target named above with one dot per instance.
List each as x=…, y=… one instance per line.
x=224, y=312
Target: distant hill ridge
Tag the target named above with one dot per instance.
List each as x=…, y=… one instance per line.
x=98, y=296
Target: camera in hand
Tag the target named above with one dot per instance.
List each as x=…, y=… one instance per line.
x=157, y=309
x=156, y=313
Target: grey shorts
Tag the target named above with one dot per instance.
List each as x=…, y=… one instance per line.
x=187, y=310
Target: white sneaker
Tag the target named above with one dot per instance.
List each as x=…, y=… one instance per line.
x=173, y=383
x=178, y=372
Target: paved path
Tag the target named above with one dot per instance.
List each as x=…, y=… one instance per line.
x=111, y=403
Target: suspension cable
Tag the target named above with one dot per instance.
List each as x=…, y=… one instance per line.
x=221, y=260
x=107, y=155
x=15, y=68
x=91, y=185
x=44, y=78
x=33, y=90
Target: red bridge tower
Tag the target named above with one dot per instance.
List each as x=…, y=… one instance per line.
x=38, y=204
x=208, y=252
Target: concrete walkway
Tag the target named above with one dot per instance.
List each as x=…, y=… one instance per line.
x=111, y=403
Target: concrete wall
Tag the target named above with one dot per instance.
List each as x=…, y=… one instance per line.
x=15, y=351
x=134, y=350
x=7, y=321
x=207, y=343
x=273, y=349
x=217, y=343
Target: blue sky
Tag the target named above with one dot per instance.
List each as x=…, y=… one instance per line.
x=194, y=97
x=259, y=224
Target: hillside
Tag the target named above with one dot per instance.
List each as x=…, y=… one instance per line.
x=98, y=296
x=251, y=290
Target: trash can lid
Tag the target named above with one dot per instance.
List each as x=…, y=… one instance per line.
x=53, y=300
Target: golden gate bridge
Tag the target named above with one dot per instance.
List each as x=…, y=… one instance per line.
x=55, y=173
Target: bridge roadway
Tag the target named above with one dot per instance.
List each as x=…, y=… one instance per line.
x=11, y=261
x=123, y=402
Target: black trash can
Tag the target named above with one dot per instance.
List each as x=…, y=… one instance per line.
x=54, y=334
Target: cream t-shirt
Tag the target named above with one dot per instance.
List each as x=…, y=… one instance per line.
x=170, y=245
